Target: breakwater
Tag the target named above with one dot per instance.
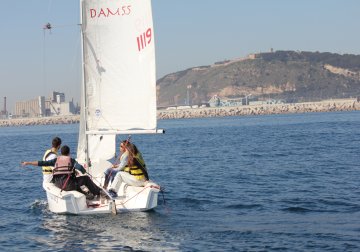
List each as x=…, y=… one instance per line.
x=40, y=121
x=322, y=106
x=267, y=109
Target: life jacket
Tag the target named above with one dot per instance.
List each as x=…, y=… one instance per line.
x=138, y=170
x=48, y=169
x=63, y=166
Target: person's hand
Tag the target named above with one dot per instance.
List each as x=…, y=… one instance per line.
x=23, y=163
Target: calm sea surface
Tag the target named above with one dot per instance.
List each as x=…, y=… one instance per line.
x=265, y=183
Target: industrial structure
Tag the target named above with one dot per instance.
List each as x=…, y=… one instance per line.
x=30, y=108
x=217, y=101
x=4, y=112
x=40, y=107
x=249, y=99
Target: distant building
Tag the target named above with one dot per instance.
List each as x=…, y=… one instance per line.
x=57, y=97
x=39, y=107
x=30, y=108
x=253, y=56
x=233, y=102
x=216, y=101
x=63, y=108
x=4, y=112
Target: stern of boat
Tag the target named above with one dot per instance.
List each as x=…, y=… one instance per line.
x=135, y=198
x=72, y=202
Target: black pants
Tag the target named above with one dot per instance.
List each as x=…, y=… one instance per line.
x=74, y=183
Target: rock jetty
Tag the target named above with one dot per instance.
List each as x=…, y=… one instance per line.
x=323, y=106
x=40, y=121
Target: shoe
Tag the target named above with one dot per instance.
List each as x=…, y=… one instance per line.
x=103, y=194
x=112, y=193
x=96, y=198
x=90, y=196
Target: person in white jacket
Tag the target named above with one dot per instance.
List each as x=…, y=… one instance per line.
x=134, y=173
x=112, y=171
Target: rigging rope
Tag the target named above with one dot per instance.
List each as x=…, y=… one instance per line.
x=49, y=7
x=44, y=57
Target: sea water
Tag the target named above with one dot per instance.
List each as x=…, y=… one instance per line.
x=253, y=183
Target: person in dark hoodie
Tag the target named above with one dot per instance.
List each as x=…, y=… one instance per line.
x=64, y=173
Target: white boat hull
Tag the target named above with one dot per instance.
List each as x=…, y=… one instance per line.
x=131, y=198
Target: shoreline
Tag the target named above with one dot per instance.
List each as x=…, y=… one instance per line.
x=267, y=109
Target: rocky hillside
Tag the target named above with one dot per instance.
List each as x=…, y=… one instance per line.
x=287, y=75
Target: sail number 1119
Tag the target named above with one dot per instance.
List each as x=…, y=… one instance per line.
x=144, y=39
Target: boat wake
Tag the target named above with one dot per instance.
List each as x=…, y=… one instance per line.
x=39, y=206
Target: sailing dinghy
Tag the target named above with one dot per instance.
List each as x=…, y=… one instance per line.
x=118, y=97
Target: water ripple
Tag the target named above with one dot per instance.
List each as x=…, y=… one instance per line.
x=269, y=183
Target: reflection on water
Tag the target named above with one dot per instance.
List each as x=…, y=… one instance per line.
x=134, y=231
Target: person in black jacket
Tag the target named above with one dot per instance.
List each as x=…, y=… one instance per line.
x=64, y=173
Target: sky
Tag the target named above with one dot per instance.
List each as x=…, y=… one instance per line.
x=188, y=33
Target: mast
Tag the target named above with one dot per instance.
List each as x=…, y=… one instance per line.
x=83, y=86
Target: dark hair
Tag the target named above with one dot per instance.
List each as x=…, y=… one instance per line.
x=131, y=154
x=65, y=150
x=136, y=151
x=56, y=142
x=125, y=142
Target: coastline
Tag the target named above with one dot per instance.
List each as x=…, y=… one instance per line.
x=267, y=109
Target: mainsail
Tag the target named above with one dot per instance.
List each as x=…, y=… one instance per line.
x=119, y=84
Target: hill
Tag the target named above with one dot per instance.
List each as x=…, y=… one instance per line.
x=286, y=75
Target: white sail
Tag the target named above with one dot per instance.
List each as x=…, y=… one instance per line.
x=119, y=93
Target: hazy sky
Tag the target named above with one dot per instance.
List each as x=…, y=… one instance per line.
x=187, y=32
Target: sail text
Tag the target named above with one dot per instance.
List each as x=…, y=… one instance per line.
x=107, y=12
x=144, y=39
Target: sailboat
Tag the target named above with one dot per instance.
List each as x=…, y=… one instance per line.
x=118, y=96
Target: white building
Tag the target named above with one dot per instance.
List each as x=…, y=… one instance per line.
x=30, y=108
x=39, y=107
